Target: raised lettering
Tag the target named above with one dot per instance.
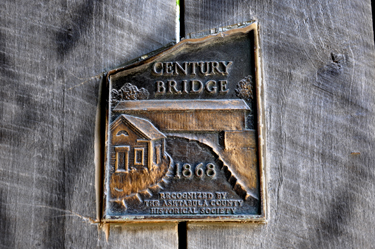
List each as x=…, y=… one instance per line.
x=226, y=66
x=193, y=67
x=211, y=86
x=168, y=66
x=221, y=195
x=223, y=86
x=187, y=170
x=198, y=170
x=160, y=88
x=211, y=172
x=178, y=175
x=215, y=66
x=155, y=66
x=203, y=66
x=172, y=84
x=184, y=90
x=182, y=69
x=200, y=88
x=147, y=203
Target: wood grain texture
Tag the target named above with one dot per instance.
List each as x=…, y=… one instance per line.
x=318, y=61
x=52, y=58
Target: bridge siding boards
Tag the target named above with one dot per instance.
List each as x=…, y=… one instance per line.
x=188, y=115
x=52, y=58
x=195, y=120
x=318, y=70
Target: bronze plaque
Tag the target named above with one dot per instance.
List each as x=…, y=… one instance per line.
x=184, y=134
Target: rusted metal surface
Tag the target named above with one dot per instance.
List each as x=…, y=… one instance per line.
x=184, y=138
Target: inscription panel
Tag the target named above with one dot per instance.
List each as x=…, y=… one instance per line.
x=184, y=135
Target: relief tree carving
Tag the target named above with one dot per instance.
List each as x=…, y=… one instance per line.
x=129, y=92
x=244, y=88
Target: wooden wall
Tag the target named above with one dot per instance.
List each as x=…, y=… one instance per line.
x=319, y=71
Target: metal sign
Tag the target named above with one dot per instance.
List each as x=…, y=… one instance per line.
x=184, y=135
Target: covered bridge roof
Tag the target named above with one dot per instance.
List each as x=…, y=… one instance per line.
x=181, y=105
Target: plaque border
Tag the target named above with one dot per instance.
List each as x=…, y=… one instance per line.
x=245, y=27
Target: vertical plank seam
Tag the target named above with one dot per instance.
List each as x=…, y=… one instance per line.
x=182, y=19
x=182, y=226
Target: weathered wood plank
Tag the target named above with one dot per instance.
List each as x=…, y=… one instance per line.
x=53, y=54
x=318, y=60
